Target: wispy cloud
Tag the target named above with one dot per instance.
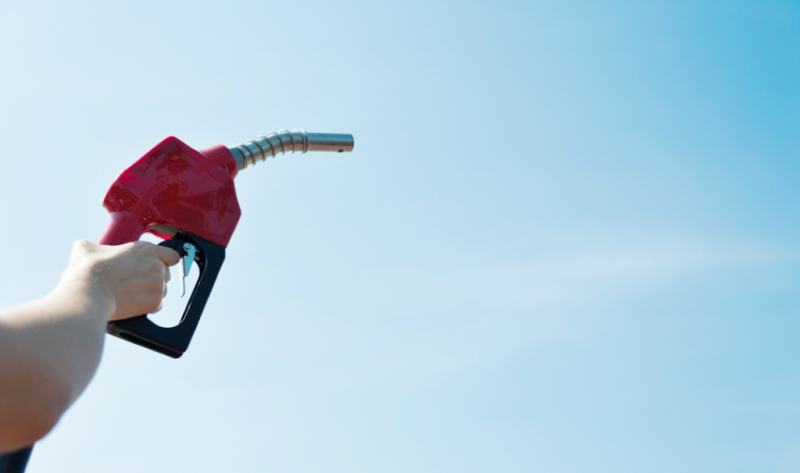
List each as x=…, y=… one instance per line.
x=586, y=274
x=460, y=318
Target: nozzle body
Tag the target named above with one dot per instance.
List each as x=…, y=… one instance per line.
x=175, y=187
x=187, y=196
x=285, y=141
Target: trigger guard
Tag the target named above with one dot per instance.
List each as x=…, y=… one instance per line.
x=173, y=341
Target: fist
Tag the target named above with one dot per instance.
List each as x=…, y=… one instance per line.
x=132, y=276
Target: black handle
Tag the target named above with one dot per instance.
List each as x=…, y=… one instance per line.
x=15, y=462
x=173, y=341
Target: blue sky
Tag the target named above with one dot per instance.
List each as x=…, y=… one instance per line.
x=566, y=240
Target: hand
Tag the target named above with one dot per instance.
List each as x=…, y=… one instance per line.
x=131, y=278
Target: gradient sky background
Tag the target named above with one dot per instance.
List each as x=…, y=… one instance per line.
x=567, y=239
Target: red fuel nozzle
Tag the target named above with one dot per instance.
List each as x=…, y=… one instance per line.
x=175, y=187
x=188, y=197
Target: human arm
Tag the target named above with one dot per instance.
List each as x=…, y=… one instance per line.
x=50, y=348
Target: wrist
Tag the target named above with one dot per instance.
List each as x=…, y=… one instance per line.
x=90, y=295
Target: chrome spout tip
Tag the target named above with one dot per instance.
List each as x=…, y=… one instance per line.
x=336, y=142
x=295, y=141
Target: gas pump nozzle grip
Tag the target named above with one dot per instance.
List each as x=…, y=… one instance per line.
x=188, y=196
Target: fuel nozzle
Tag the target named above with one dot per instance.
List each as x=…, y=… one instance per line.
x=285, y=141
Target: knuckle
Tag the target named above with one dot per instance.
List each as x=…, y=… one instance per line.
x=153, y=265
x=155, y=286
x=131, y=245
x=81, y=244
x=153, y=303
x=140, y=245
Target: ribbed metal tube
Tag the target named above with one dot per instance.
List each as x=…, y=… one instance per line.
x=285, y=141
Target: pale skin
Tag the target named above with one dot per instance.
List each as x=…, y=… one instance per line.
x=50, y=348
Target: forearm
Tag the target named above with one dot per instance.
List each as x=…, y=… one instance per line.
x=50, y=348
x=49, y=351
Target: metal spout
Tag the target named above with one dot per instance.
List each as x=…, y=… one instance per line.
x=285, y=141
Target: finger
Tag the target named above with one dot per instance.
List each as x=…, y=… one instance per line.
x=167, y=275
x=169, y=256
